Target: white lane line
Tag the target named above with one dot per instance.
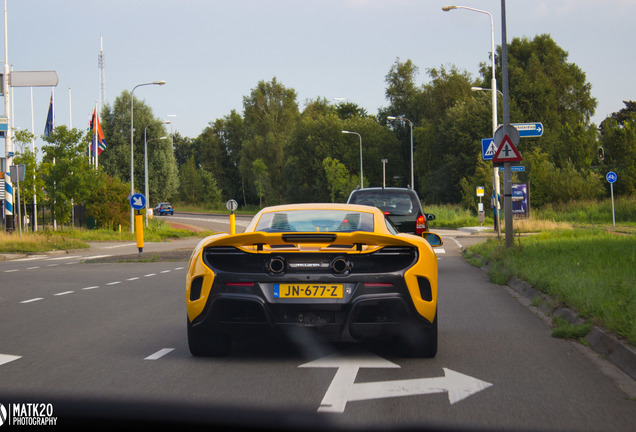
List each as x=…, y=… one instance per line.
x=440, y=250
x=63, y=258
x=91, y=287
x=6, y=358
x=33, y=268
x=458, y=243
x=159, y=354
x=52, y=265
x=179, y=268
x=133, y=278
x=165, y=271
x=11, y=271
x=96, y=256
x=150, y=274
x=63, y=293
x=31, y=258
x=32, y=300
x=113, y=283
x=118, y=246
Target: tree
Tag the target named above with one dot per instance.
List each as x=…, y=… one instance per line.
x=618, y=139
x=270, y=114
x=33, y=182
x=546, y=88
x=162, y=168
x=338, y=178
x=65, y=171
x=107, y=201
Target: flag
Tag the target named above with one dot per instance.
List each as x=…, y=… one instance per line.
x=99, y=141
x=49, y=119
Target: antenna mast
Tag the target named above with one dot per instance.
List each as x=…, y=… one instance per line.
x=100, y=64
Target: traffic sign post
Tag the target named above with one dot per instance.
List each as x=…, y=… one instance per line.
x=137, y=203
x=506, y=139
x=611, y=177
x=232, y=205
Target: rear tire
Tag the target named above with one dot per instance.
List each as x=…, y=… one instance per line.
x=204, y=343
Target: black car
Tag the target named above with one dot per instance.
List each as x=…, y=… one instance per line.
x=402, y=206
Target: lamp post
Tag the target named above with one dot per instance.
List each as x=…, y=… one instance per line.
x=146, y=191
x=361, y=175
x=493, y=88
x=132, y=170
x=171, y=134
x=411, y=124
x=384, y=161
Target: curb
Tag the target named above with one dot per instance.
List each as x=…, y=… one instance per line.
x=611, y=347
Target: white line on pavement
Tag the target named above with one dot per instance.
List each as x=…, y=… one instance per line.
x=159, y=354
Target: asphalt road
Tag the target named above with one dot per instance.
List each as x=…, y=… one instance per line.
x=101, y=339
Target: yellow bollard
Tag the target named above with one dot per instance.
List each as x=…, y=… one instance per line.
x=232, y=223
x=139, y=231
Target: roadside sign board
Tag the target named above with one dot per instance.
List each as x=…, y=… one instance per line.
x=488, y=148
x=611, y=177
x=137, y=201
x=33, y=79
x=529, y=129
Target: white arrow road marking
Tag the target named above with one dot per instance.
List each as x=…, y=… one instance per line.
x=6, y=358
x=343, y=389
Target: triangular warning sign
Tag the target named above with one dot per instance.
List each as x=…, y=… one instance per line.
x=506, y=152
x=491, y=150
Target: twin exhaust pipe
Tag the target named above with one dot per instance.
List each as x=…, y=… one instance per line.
x=278, y=265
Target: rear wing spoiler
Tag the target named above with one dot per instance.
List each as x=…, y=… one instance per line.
x=357, y=240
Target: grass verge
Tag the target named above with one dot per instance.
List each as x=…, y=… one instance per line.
x=589, y=270
x=70, y=238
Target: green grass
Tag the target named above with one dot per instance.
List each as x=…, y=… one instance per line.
x=454, y=216
x=589, y=270
x=73, y=238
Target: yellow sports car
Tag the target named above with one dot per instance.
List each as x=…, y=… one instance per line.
x=341, y=271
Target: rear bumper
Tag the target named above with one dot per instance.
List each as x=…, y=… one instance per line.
x=366, y=313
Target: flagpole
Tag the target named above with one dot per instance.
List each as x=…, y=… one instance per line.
x=35, y=205
x=96, y=135
x=8, y=146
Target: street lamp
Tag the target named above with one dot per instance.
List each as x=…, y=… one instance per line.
x=361, y=175
x=411, y=124
x=132, y=170
x=146, y=192
x=493, y=87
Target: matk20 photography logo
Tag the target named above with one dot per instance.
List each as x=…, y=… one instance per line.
x=27, y=414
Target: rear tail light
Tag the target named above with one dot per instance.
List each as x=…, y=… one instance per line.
x=420, y=225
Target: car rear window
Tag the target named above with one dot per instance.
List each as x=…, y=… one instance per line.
x=315, y=221
x=398, y=203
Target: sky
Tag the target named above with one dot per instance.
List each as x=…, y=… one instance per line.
x=212, y=53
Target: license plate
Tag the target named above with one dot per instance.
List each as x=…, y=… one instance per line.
x=304, y=290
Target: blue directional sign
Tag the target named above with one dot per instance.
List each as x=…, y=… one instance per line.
x=137, y=201
x=488, y=148
x=514, y=168
x=529, y=129
x=611, y=177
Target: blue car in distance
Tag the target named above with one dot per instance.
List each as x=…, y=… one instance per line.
x=162, y=209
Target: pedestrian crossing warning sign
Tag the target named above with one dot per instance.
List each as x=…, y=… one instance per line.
x=506, y=152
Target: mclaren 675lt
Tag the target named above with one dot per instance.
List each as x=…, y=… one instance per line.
x=339, y=271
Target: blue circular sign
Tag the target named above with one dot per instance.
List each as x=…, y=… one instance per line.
x=137, y=201
x=611, y=177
